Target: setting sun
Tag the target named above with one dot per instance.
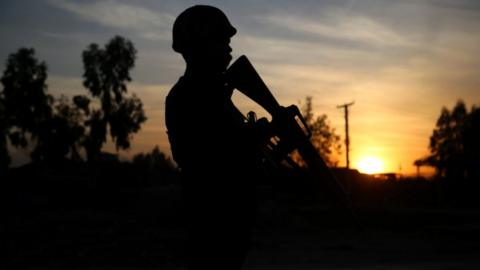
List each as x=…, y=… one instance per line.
x=370, y=165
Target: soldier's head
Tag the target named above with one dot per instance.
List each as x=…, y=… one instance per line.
x=202, y=35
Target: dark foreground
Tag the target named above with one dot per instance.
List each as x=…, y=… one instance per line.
x=142, y=228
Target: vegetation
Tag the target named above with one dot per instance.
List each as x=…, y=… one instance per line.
x=454, y=143
x=154, y=167
x=324, y=138
x=107, y=72
x=58, y=128
x=27, y=108
x=4, y=157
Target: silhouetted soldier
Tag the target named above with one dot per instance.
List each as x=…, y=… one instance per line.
x=210, y=143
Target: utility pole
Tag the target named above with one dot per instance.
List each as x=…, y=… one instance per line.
x=347, y=137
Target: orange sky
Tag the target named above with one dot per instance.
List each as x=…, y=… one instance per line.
x=400, y=61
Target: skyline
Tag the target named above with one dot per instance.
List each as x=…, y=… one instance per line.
x=400, y=62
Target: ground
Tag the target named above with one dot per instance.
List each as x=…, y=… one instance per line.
x=142, y=229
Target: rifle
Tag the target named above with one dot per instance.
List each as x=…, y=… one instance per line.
x=289, y=129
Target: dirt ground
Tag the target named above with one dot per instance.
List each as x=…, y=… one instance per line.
x=145, y=232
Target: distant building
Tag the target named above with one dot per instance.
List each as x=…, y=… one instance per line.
x=386, y=176
x=344, y=173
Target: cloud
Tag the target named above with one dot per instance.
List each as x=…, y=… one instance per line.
x=110, y=13
x=340, y=24
x=296, y=51
x=464, y=5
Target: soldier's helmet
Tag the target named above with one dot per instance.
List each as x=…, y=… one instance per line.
x=198, y=24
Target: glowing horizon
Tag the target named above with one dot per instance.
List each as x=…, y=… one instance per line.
x=400, y=61
x=370, y=165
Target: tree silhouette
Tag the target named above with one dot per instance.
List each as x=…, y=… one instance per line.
x=59, y=128
x=107, y=71
x=26, y=104
x=454, y=143
x=64, y=133
x=154, y=166
x=324, y=138
x=4, y=156
x=472, y=143
x=446, y=142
